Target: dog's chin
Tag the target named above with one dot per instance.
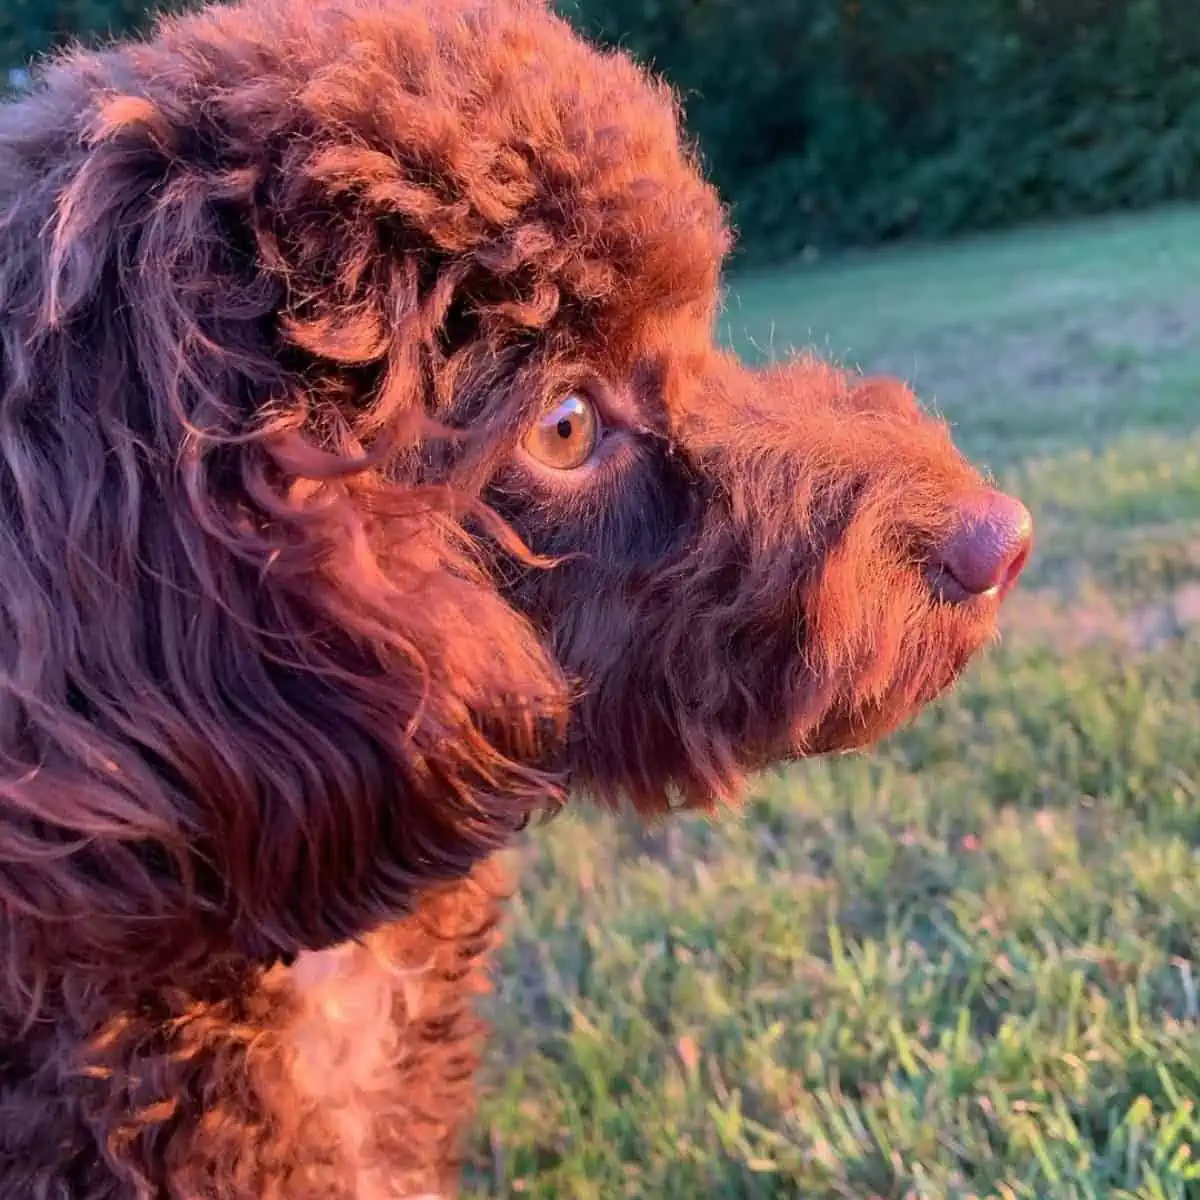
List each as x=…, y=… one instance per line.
x=858, y=726
x=850, y=733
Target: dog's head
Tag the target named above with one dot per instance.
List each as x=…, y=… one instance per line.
x=371, y=474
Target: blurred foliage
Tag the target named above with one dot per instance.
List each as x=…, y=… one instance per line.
x=839, y=122
x=30, y=27
x=834, y=122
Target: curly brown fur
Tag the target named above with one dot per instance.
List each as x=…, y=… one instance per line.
x=296, y=632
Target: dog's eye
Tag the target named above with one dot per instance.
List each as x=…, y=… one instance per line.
x=566, y=435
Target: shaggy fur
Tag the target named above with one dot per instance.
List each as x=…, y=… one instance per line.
x=296, y=633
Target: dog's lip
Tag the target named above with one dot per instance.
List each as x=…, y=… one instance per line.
x=948, y=590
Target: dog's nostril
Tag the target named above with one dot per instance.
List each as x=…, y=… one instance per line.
x=988, y=549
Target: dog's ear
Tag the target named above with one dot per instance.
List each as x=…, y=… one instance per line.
x=255, y=690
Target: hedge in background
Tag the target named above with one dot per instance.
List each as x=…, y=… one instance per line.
x=30, y=27
x=839, y=122
x=835, y=122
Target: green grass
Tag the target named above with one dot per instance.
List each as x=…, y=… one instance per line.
x=967, y=964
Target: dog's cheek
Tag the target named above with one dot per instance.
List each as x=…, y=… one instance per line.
x=608, y=539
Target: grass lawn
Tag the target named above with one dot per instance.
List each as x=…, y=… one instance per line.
x=968, y=964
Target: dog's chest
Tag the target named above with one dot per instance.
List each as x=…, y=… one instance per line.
x=346, y=1049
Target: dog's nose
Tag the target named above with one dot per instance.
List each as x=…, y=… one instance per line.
x=986, y=551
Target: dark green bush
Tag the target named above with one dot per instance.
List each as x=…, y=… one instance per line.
x=839, y=122
x=29, y=27
x=835, y=122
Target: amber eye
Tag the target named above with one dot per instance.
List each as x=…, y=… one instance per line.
x=566, y=435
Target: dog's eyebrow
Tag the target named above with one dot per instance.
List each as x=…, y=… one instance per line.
x=646, y=393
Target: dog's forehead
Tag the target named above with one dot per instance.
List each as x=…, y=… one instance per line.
x=527, y=176
x=570, y=169
x=616, y=211
x=488, y=129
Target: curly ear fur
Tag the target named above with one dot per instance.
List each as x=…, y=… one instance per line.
x=240, y=695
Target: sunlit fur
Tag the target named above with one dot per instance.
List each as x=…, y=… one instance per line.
x=293, y=634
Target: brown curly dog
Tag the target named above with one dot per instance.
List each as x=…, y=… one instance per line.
x=370, y=477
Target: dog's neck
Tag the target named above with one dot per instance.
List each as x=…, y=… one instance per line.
x=345, y=1075
x=352, y=1006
